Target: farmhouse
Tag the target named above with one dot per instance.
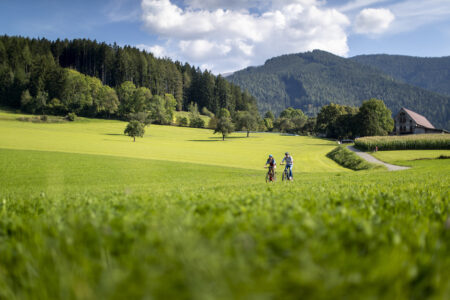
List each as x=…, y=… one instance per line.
x=408, y=122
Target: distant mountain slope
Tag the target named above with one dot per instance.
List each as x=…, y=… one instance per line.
x=312, y=79
x=431, y=73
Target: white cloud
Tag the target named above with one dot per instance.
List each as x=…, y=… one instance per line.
x=411, y=14
x=373, y=20
x=358, y=4
x=121, y=10
x=227, y=36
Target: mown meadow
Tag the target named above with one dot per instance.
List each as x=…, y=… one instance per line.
x=85, y=213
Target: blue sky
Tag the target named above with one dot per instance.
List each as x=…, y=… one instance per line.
x=229, y=35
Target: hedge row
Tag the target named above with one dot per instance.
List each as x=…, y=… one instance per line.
x=348, y=159
x=409, y=142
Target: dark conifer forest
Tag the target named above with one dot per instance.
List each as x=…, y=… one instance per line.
x=95, y=79
x=309, y=81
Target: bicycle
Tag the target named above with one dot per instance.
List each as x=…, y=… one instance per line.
x=285, y=175
x=271, y=175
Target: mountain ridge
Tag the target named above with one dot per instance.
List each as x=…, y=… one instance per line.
x=312, y=79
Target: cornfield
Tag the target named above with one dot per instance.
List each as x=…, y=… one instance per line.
x=410, y=142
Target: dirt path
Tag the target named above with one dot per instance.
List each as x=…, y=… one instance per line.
x=373, y=160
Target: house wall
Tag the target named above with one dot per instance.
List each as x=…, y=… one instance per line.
x=404, y=124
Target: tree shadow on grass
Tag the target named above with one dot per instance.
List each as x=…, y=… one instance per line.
x=218, y=139
x=203, y=140
x=114, y=134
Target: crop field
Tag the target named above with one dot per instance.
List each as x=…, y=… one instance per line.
x=85, y=213
x=407, y=142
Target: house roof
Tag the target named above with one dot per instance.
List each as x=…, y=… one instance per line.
x=419, y=119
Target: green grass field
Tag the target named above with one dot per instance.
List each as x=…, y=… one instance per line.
x=85, y=213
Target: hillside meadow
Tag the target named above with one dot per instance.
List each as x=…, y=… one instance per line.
x=85, y=213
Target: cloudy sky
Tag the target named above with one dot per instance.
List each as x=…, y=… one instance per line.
x=226, y=36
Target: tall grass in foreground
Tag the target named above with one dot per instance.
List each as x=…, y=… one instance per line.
x=409, y=142
x=99, y=227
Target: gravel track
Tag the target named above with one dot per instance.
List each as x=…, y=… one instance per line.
x=373, y=160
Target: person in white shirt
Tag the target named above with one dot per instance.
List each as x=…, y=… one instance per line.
x=289, y=163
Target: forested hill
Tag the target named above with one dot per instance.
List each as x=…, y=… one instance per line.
x=38, y=68
x=313, y=79
x=431, y=73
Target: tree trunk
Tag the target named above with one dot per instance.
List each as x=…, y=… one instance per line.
x=248, y=133
x=223, y=137
x=134, y=139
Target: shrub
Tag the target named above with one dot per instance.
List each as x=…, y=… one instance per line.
x=410, y=142
x=197, y=122
x=206, y=112
x=348, y=159
x=71, y=117
x=183, y=121
x=44, y=118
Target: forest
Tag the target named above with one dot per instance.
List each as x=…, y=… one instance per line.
x=430, y=73
x=311, y=80
x=94, y=79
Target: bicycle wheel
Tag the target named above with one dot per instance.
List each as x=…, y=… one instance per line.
x=284, y=177
x=267, y=177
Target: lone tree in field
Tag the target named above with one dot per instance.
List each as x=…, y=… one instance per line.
x=224, y=124
x=247, y=121
x=375, y=118
x=134, y=129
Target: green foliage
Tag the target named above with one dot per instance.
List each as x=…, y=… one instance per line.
x=247, y=121
x=71, y=116
x=77, y=71
x=338, y=121
x=142, y=117
x=224, y=123
x=183, y=121
x=430, y=73
x=134, y=129
x=419, y=141
x=349, y=159
x=206, y=112
x=161, y=110
x=375, y=118
x=268, y=123
x=311, y=80
x=291, y=120
x=197, y=122
x=269, y=115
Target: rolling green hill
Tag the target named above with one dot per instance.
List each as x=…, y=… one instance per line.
x=430, y=73
x=313, y=79
x=85, y=213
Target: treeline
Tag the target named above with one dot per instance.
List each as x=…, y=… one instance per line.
x=98, y=80
x=335, y=121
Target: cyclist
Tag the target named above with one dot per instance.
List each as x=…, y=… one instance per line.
x=289, y=163
x=272, y=166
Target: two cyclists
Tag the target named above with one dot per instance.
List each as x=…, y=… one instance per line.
x=272, y=166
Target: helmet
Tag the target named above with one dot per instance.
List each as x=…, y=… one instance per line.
x=270, y=155
x=287, y=153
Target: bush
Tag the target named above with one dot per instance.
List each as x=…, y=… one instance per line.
x=212, y=123
x=71, y=117
x=183, y=121
x=348, y=159
x=410, y=142
x=197, y=122
x=206, y=112
x=44, y=118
